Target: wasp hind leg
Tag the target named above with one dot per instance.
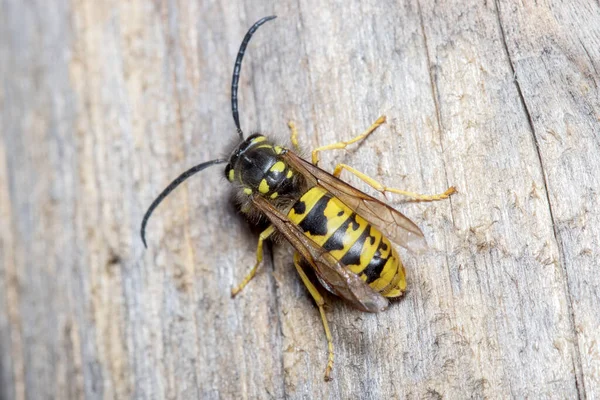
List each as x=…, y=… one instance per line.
x=343, y=145
x=320, y=303
x=264, y=235
x=383, y=189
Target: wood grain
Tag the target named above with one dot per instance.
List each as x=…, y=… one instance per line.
x=103, y=103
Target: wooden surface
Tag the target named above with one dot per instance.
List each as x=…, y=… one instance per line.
x=103, y=103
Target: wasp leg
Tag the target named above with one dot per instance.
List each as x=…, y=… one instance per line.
x=264, y=235
x=294, y=135
x=320, y=303
x=378, y=186
x=342, y=145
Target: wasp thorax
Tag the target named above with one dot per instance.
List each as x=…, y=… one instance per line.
x=257, y=165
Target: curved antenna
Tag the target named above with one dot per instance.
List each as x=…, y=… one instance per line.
x=172, y=187
x=236, y=71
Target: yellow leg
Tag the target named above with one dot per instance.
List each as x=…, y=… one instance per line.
x=378, y=186
x=320, y=302
x=342, y=145
x=259, y=257
x=294, y=135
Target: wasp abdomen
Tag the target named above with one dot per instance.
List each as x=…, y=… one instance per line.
x=351, y=239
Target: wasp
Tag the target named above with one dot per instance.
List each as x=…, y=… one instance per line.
x=342, y=234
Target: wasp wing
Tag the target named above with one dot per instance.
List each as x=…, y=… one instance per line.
x=392, y=223
x=342, y=281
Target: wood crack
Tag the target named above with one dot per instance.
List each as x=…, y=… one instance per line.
x=579, y=383
x=591, y=59
x=438, y=115
x=436, y=102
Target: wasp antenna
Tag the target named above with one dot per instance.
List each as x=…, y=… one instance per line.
x=172, y=187
x=236, y=71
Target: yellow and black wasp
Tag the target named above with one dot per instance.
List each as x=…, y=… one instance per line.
x=339, y=232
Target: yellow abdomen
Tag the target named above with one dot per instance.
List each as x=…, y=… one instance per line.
x=350, y=239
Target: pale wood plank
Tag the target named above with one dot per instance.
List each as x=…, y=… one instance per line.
x=104, y=103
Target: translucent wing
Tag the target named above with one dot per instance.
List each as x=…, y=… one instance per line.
x=343, y=282
x=389, y=221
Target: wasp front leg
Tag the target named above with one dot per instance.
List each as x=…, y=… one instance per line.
x=320, y=303
x=343, y=145
x=294, y=135
x=383, y=189
x=259, y=257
